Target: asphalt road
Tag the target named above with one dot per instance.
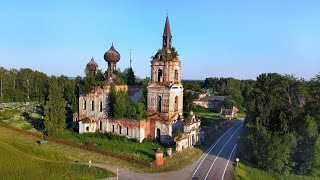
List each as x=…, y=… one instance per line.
x=217, y=163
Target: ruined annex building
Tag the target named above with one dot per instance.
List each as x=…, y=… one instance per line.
x=164, y=101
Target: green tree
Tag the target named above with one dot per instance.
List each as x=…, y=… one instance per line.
x=111, y=101
x=145, y=90
x=188, y=99
x=55, y=118
x=141, y=112
x=273, y=113
x=312, y=165
x=122, y=105
x=40, y=84
x=130, y=79
x=25, y=78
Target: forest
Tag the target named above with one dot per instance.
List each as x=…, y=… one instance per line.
x=282, y=125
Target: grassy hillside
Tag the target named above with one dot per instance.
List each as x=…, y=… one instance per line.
x=20, y=160
x=246, y=172
x=116, y=144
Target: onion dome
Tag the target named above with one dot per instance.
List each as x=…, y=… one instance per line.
x=112, y=55
x=92, y=65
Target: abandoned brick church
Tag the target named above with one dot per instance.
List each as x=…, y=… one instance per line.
x=164, y=101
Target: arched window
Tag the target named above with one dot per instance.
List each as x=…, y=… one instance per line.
x=159, y=104
x=92, y=105
x=176, y=75
x=159, y=75
x=100, y=109
x=84, y=104
x=176, y=103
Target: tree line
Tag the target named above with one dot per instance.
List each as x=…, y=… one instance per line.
x=235, y=90
x=27, y=85
x=282, y=125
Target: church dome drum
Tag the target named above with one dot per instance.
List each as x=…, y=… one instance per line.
x=92, y=65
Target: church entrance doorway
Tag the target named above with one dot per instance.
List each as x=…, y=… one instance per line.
x=158, y=134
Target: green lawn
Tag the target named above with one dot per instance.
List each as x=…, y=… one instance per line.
x=207, y=116
x=116, y=144
x=19, y=119
x=19, y=160
x=246, y=172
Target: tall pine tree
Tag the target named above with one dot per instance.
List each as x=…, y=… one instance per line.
x=55, y=118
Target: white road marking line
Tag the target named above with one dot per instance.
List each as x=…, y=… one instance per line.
x=213, y=147
x=228, y=161
x=220, y=152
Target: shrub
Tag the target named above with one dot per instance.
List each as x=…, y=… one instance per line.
x=86, y=120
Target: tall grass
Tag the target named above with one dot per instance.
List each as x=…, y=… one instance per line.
x=247, y=172
x=19, y=162
x=16, y=118
x=116, y=144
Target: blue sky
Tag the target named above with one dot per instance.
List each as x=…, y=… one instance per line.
x=234, y=38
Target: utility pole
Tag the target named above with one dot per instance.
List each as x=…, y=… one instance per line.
x=130, y=57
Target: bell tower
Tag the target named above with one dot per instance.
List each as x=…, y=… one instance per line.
x=165, y=91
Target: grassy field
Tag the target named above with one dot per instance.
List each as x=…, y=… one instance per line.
x=143, y=151
x=207, y=116
x=59, y=152
x=19, y=119
x=19, y=160
x=246, y=172
x=116, y=144
x=206, y=113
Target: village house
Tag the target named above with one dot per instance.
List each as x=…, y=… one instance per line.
x=229, y=114
x=164, y=100
x=209, y=102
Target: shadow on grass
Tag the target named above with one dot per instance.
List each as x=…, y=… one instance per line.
x=151, y=156
x=36, y=123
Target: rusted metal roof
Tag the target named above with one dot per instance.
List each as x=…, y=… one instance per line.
x=166, y=31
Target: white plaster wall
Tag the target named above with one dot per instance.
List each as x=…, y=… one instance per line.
x=141, y=135
x=81, y=127
x=173, y=93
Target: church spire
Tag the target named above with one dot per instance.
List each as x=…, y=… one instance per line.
x=166, y=35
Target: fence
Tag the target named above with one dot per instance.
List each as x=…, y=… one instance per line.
x=88, y=148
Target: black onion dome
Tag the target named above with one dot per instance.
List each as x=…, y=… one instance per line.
x=92, y=65
x=112, y=55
